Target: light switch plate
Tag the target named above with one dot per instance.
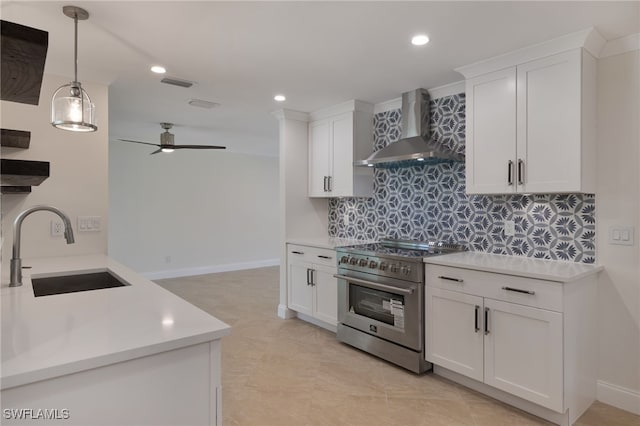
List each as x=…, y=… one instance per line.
x=89, y=223
x=621, y=235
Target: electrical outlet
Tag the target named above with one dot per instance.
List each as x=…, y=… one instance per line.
x=167, y=259
x=57, y=228
x=509, y=228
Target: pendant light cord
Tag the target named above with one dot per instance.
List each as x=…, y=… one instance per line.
x=75, y=48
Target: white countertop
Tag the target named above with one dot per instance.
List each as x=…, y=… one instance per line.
x=550, y=270
x=327, y=242
x=51, y=336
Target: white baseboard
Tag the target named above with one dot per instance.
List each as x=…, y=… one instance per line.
x=201, y=270
x=619, y=397
x=317, y=322
x=561, y=419
x=285, y=313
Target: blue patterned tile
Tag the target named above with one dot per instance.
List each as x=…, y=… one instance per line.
x=429, y=201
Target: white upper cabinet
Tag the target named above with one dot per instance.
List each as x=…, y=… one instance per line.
x=491, y=132
x=337, y=137
x=530, y=119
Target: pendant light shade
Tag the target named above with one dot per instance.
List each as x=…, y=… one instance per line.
x=71, y=107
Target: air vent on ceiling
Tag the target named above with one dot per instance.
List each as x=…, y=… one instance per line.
x=177, y=82
x=203, y=104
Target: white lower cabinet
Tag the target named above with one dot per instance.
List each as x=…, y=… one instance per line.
x=312, y=288
x=454, y=338
x=527, y=337
x=326, y=294
x=523, y=352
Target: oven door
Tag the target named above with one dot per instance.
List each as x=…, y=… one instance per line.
x=383, y=307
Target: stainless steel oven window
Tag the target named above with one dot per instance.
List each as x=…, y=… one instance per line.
x=380, y=305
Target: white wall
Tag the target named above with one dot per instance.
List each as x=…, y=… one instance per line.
x=191, y=212
x=617, y=203
x=78, y=181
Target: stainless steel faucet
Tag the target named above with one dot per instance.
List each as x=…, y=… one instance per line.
x=16, y=262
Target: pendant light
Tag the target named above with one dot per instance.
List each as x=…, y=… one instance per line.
x=71, y=107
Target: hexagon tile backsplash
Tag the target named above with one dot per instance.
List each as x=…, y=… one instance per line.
x=428, y=202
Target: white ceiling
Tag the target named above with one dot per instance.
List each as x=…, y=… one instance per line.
x=240, y=54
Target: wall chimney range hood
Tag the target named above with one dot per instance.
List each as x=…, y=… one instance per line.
x=415, y=146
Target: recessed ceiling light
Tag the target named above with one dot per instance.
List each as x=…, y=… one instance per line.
x=420, y=40
x=158, y=69
x=280, y=98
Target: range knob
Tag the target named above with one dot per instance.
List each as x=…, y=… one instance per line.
x=405, y=270
x=393, y=267
x=363, y=262
x=373, y=264
x=353, y=261
x=383, y=266
x=344, y=259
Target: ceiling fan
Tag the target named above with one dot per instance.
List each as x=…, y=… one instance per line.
x=166, y=142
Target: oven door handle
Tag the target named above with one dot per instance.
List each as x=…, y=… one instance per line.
x=375, y=285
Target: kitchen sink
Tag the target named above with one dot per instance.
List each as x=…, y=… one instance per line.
x=74, y=283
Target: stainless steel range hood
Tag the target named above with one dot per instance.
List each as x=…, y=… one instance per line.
x=415, y=145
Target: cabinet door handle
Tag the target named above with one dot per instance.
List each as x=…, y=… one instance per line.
x=510, y=173
x=325, y=183
x=477, y=323
x=517, y=290
x=324, y=257
x=458, y=280
x=486, y=321
x=520, y=171
x=330, y=180
x=313, y=277
x=308, y=276
x=297, y=252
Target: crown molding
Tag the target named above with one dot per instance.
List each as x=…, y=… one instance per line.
x=589, y=39
x=621, y=45
x=289, y=114
x=349, y=106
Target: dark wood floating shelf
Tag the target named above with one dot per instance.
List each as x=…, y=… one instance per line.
x=15, y=138
x=23, y=52
x=15, y=190
x=23, y=172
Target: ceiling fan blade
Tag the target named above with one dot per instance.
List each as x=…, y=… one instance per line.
x=144, y=143
x=198, y=147
x=156, y=151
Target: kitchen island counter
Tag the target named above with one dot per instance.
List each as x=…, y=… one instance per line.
x=65, y=336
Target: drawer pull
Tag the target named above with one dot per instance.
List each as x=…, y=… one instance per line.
x=458, y=280
x=324, y=257
x=517, y=290
x=297, y=252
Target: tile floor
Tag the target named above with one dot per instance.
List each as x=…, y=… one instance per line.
x=287, y=372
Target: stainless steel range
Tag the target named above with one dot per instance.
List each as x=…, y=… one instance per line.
x=381, y=298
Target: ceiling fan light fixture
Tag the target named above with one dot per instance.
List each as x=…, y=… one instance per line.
x=168, y=149
x=158, y=69
x=71, y=106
